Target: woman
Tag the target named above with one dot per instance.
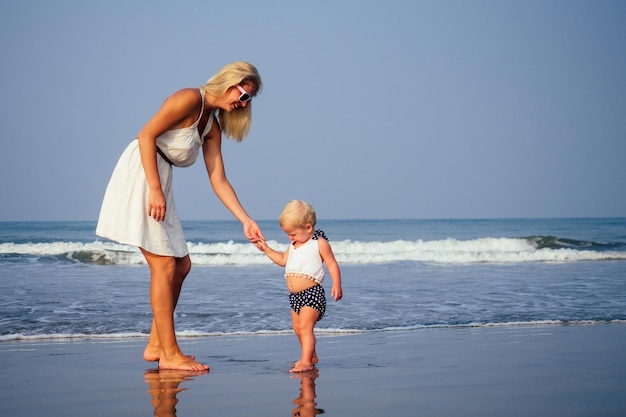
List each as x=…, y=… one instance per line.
x=138, y=208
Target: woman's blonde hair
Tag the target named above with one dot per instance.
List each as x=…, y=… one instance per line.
x=235, y=124
x=298, y=213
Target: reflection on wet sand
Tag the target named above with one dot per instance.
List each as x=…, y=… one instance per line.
x=164, y=386
x=305, y=402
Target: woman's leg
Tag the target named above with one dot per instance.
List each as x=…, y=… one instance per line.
x=166, y=278
x=153, y=348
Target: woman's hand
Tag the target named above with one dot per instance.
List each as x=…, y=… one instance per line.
x=156, y=205
x=253, y=232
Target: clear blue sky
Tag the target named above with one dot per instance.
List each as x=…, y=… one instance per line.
x=370, y=109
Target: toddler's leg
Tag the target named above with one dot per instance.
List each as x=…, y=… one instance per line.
x=303, y=326
x=295, y=320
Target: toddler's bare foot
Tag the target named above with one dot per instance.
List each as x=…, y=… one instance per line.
x=314, y=361
x=182, y=363
x=306, y=375
x=302, y=368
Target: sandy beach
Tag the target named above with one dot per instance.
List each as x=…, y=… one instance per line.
x=515, y=371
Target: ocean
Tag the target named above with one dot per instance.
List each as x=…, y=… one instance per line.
x=58, y=280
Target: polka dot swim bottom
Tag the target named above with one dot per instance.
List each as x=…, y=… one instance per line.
x=311, y=297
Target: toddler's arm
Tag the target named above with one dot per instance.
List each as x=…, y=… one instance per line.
x=328, y=257
x=279, y=258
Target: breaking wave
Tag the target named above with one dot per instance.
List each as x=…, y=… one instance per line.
x=445, y=251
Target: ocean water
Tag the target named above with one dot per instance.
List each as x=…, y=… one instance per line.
x=59, y=280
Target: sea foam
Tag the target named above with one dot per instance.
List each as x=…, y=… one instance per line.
x=446, y=251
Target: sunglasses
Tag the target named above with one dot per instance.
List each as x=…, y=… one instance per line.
x=245, y=96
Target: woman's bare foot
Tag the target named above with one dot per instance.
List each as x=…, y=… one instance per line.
x=153, y=354
x=182, y=363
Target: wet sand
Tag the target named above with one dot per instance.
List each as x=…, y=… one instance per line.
x=515, y=371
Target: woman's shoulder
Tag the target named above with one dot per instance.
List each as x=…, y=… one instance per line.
x=183, y=102
x=186, y=95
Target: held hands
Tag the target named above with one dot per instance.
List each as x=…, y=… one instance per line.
x=261, y=245
x=253, y=232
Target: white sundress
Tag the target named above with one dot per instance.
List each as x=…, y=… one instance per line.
x=124, y=212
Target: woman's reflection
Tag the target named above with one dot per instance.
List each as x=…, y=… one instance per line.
x=164, y=386
x=305, y=403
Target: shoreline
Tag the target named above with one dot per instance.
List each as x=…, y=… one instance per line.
x=320, y=332
x=514, y=370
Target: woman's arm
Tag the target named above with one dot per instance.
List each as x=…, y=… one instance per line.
x=212, y=150
x=175, y=112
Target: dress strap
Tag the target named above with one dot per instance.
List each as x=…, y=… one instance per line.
x=201, y=106
x=209, y=121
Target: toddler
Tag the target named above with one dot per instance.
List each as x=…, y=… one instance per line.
x=304, y=262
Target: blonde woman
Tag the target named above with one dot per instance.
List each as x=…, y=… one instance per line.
x=304, y=262
x=138, y=207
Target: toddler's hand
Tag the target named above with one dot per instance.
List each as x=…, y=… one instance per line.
x=336, y=293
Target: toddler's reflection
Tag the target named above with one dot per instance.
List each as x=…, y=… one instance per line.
x=164, y=386
x=305, y=403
